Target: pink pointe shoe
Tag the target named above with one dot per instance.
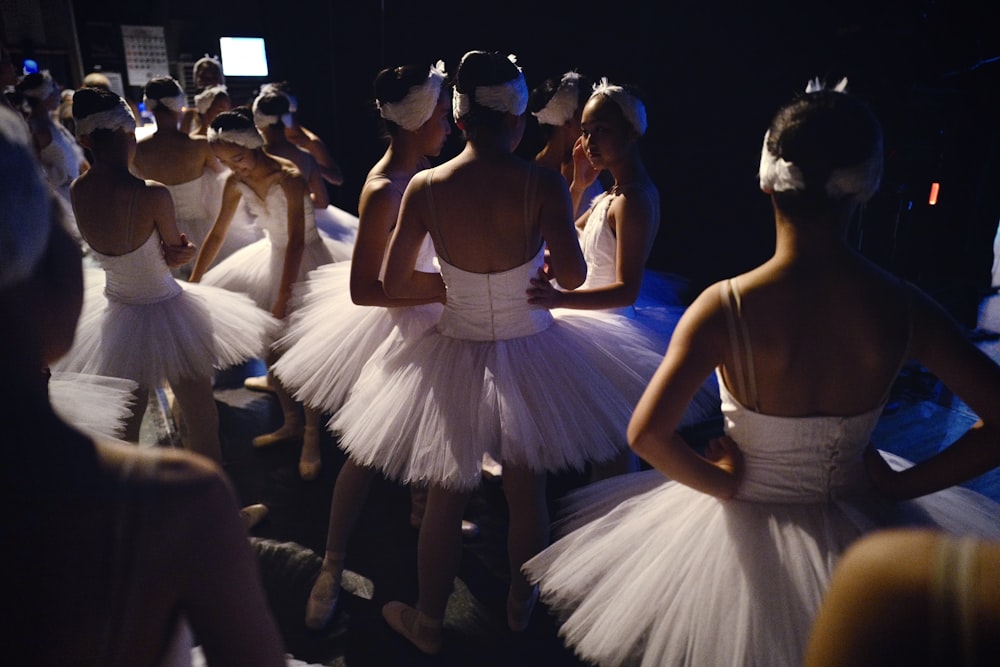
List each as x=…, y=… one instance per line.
x=323, y=596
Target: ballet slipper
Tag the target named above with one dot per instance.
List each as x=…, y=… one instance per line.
x=519, y=613
x=420, y=630
x=322, y=600
x=310, y=461
x=286, y=433
x=253, y=514
x=259, y=383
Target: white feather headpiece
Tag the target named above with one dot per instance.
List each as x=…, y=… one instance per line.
x=245, y=137
x=261, y=119
x=858, y=182
x=508, y=97
x=563, y=103
x=173, y=102
x=118, y=117
x=25, y=214
x=631, y=106
x=418, y=104
x=204, y=99
x=43, y=90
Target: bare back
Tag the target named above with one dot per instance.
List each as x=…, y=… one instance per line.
x=490, y=215
x=116, y=213
x=172, y=158
x=820, y=342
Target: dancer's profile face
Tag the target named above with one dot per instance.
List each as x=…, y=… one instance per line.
x=437, y=128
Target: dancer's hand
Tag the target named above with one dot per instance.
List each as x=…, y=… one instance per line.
x=542, y=293
x=724, y=453
x=181, y=254
x=883, y=477
x=583, y=171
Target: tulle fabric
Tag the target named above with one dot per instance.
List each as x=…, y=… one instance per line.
x=256, y=269
x=329, y=338
x=647, y=571
x=337, y=224
x=183, y=336
x=556, y=395
x=97, y=405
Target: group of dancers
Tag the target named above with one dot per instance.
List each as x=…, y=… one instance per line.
x=483, y=308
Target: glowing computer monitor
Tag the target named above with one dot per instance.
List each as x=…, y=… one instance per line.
x=243, y=56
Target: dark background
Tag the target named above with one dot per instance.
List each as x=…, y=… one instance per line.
x=713, y=73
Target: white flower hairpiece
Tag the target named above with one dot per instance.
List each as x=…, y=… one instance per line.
x=858, y=182
x=418, y=104
x=204, y=99
x=508, y=97
x=25, y=213
x=43, y=90
x=631, y=106
x=563, y=103
x=118, y=117
x=245, y=137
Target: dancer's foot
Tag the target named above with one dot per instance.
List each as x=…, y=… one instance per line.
x=253, y=514
x=423, y=632
x=519, y=611
x=323, y=596
x=286, y=433
x=259, y=383
x=310, y=461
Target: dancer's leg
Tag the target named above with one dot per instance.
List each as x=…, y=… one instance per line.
x=527, y=534
x=197, y=403
x=133, y=424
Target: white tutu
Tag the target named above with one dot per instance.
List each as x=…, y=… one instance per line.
x=651, y=572
x=337, y=224
x=256, y=268
x=94, y=404
x=497, y=376
x=329, y=338
x=182, y=334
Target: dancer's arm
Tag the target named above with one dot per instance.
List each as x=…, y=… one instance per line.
x=297, y=192
x=402, y=280
x=378, y=209
x=696, y=348
x=941, y=346
x=177, y=250
x=213, y=242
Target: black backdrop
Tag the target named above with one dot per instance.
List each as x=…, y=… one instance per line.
x=713, y=73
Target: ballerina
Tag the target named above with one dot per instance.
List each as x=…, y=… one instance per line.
x=557, y=105
x=617, y=232
x=726, y=563
x=266, y=269
x=183, y=163
x=272, y=111
x=496, y=375
x=138, y=322
x=322, y=355
x=61, y=157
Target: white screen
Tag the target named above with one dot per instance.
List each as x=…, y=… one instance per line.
x=243, y=56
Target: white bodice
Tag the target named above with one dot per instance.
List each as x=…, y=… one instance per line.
x=492, y=306
x=599, y=246
x=271, y=214
x=189, y=199
x=798, y=459
x=140, y=276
